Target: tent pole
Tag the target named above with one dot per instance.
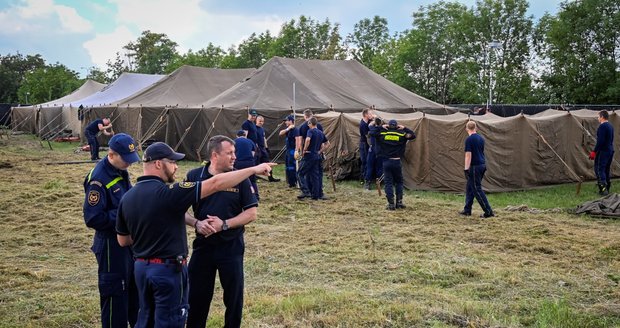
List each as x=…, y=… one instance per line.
x=294, y=102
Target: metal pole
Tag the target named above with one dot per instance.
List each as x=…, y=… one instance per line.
x=294, y=104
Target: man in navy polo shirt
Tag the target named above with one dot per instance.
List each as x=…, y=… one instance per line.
x=475, y=167
x=228, y=211
x=302, y=177
x=92, y=130
x=291, y=133
x=313, y=147
x=249, y=126
x=104, y=186
x=245, y=152
x=152, y=218
x=603, y=153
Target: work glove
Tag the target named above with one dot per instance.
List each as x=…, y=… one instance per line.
x=297, y=155
x=592, y=155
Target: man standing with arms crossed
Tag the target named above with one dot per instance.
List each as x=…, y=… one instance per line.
x=475, y=168
x=152, y=218
x=228, y=211
x=104, y=187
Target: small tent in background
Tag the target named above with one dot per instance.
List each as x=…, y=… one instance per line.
x=26, y=118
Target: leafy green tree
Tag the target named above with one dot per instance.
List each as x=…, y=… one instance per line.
x=581, y=46
x=97, y=74
x=253, y=52
x=305, y=38
x=151, y=53
x=13, y=69
x=117, y=67
x=368, y=38
x=335, y=48
x=211, y=56
x=48, y=83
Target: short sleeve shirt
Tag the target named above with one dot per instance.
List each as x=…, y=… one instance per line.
x=93, y=127
x=260, y=137
x=475, y=144
x=251, y=128
x=243, y=149
x=290, y=138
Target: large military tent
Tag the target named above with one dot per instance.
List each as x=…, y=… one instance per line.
x=522, y=151
x=25, y=118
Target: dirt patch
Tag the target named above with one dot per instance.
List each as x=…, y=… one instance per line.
x=5, y=165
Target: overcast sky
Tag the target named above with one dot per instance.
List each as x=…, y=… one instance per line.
x=85, y=33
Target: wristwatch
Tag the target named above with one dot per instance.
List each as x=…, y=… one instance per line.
x=224, y=225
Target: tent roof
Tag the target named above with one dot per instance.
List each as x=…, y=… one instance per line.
x=188, y=86
x=88, y=88
x=346, y=85
x=126, y=85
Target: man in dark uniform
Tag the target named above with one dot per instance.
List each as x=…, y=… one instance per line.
x=304, y=180
x=475, y=168
x=261, y=142
x=603, y=153
x=249, y=126
x=92, y=130
x=393, y=140
x=152, y=218
x=104, y=186
x=313, y=147
x=367, y=116
x=245, y=151
x=291, y=133
x=374, y=162
x=228, y=211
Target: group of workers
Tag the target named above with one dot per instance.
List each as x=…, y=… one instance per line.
x=150, y=284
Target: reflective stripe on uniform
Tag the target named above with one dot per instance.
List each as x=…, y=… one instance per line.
x=113, y=182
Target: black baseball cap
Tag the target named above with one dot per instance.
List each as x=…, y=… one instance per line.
x=393, y=123
x=160, y=150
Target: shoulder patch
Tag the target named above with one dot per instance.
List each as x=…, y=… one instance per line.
x=93, y=197
x=96, y=183
x=186, y=184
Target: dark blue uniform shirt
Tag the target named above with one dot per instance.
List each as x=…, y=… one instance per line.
x=303, y=129
x=604, y=138
x=363, y=131
x=317, y=138
x=475, y=144
x=243, y=149
x=153, y=213
x=224, y=204
x=251, y=128
x=392, y=142
x=290, y=138
x=104, y=187
x=260, y=137
x=93, y=127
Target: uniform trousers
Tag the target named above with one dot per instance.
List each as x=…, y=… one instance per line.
x=374, y=165
x=291, y=170
x=393, y=172
x=602, y=168
x=94, y=145
x=474, y=189
x=363, y=159
x=206, y=261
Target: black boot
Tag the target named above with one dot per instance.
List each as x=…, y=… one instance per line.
x=399, y=204
x=390, y=207
x=602, y=190
x=272, y=179
x=366, y=185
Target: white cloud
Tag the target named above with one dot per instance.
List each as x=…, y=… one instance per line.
x=105, y=46
x=42, y=16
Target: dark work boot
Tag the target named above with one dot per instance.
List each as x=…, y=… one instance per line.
x=399, y=204
x=602, y=190
x=366, y=185
x=272, y=179
x=390, y=207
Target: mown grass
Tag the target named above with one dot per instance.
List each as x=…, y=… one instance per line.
x=345, y=262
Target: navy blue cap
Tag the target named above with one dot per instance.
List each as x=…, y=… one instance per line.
x=393, y=123
x=160, y=150
x=124, y=145
x=253, y=112
x=290, y=118
x=241, y=133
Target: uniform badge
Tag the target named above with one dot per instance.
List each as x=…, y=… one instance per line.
x=186, y=184
x=132, y=148
x=93, y=198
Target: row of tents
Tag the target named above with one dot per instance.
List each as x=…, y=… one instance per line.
x=191, y=104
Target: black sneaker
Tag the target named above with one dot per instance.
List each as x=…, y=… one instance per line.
x=400, y=205
x=463, y=213
x=390, y=207
x=302, y=196
x=272, y=179
x=485, y=215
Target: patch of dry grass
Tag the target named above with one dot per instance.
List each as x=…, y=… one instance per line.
x=345, y=262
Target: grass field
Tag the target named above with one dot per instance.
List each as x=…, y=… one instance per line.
x=345, y=262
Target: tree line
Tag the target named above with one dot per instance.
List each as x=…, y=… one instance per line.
x=451, y=54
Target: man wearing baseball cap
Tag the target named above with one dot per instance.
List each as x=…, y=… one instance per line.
x=104, y=186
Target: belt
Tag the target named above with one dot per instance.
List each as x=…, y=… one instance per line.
x=161, y=261
x=395, y=158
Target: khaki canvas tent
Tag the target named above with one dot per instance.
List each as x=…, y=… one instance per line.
x=522, y=152
x=25, y=118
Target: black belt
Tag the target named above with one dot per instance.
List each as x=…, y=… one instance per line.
x=161, y=261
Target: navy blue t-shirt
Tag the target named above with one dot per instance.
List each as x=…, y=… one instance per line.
x=153, y=213
x=290, y=138
x=260, y=137
x=317, y=138
x=604, y=138
x=93, y=127
x=251, y=128
x=303, y=129
x=223, y=204
x=475, y=144
x=363, y=131
x=243, y=149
